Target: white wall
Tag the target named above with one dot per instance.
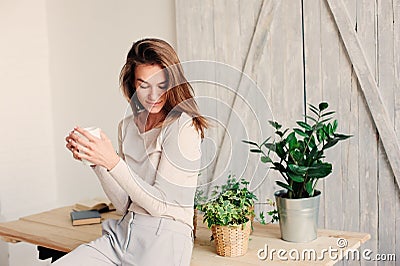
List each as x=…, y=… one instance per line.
x=59, y=67
x=27, y=154
x=89, y=41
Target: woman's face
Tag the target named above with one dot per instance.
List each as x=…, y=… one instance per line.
x=151, y=86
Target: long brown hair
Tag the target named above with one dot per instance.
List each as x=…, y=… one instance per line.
x=179, y=96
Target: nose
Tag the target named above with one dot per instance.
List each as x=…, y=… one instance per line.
x=155, y=94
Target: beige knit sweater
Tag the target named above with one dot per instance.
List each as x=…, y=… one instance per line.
x=157, y=172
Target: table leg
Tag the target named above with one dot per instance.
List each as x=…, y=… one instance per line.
x=45, y=253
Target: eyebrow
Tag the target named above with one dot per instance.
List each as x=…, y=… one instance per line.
x=139, y=79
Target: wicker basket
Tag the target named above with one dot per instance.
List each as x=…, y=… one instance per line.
x=231, y=241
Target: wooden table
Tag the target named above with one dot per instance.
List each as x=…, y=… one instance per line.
x=53, y=230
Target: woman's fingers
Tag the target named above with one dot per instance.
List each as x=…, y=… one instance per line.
x=79, y=146
x=79, y=155
x=71, y=144
x=85, y=133
x=85, y=150
x=76, y=157
x=79, y=141
x=76, y=154
x=85, y=146
x=73, y=147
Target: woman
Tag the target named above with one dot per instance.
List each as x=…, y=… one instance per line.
x=152, y=180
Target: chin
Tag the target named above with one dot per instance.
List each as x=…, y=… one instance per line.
x=154, y=110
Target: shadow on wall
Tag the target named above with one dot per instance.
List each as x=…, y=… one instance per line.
x=3, y=245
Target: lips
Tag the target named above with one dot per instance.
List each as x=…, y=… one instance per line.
x=155, y=103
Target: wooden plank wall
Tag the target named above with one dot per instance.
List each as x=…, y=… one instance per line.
x=387, y=188
x=368, y=163
x=396, y=56
x=361, y=194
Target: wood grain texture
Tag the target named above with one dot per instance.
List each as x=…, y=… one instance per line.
x=255, y=170
x=387, y=189
x=396, y=44
x=347, y=114
x=56, y=232
x=52, y=229
x=368, y=139
x=362, y=185
x=368, y=85
x=270, y=235
x=313, y=22
x=286, y=93
x=226, y=19
x=196, y=41
x=242, y=93
x=330, y=69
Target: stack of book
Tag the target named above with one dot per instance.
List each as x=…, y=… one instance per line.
x=88, y=211
x=85, y=217
x=98, y=204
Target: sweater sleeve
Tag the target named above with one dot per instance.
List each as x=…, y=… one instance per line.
x=116, y=194
x=176, y=175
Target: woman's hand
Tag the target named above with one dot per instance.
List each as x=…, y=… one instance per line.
x=98, y=151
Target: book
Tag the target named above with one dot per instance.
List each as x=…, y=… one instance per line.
x=98, y=204
x=85, y=217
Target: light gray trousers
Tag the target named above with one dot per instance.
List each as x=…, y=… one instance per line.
x=138, y=240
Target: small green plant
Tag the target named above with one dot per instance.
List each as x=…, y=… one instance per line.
x=272, y=213
x=232, y=206
x=300, y=152
x=199, y=197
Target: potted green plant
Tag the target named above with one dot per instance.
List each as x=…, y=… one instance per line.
x=228, y=215
x=301, y=162
x=236, y=185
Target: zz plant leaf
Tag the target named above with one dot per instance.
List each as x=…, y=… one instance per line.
x=300, y=151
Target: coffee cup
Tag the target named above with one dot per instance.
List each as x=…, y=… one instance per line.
x=95, y=131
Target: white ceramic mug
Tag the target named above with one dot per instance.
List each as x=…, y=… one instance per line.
x=95, y=131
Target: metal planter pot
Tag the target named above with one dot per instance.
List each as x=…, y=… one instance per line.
x=298, y=218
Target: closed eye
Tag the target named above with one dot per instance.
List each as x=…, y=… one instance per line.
x=144, y=86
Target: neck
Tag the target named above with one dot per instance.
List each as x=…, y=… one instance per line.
x=151, y=120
